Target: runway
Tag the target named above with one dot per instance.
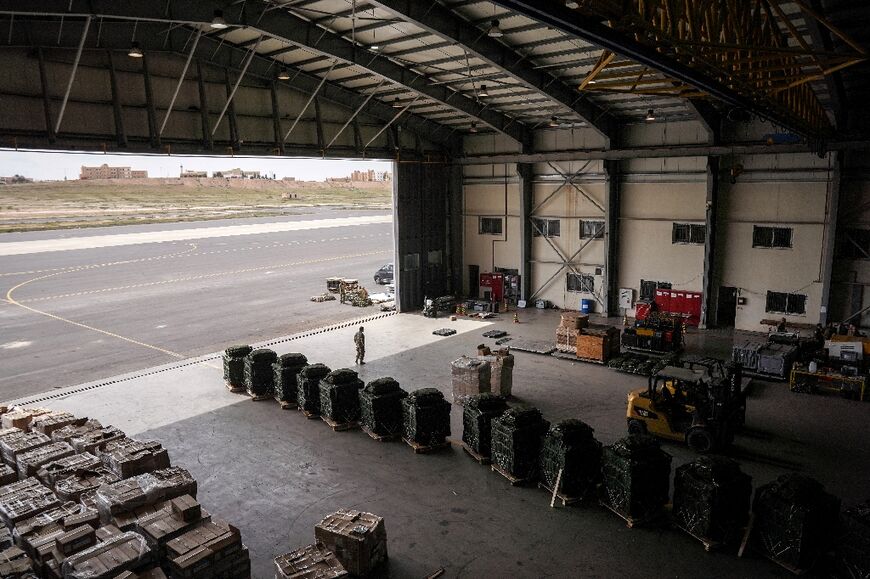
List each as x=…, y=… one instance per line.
x=104, y=301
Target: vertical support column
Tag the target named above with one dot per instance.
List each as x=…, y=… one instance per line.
x=318, y=121
x=276, y=118
x=231, y=112
x=831, y=235
x=149, y=105
x=207, y=139
x=357, y=137
x=46, y=101
x=120, y=133
x=456, y=215
x=708, y=299
x=526, y=175
x=611, y=237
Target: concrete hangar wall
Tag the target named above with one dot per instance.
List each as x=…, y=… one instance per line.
x=653, y=214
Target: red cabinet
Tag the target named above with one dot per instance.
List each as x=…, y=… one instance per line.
x=683, y=303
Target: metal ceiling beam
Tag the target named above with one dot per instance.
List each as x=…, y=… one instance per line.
x=446, y=24
x=836, y=91
x=592, y=30
x=281, y=26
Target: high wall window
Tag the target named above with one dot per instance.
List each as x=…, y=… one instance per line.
x=689, y=233
x=786, y=303
x=412, y=261
x=490, y=226
x=855, y=244
x=591, y=229
x=546, y=227
x=581, y=283
x=775, y=237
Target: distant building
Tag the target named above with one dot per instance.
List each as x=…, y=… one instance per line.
x=194, y=175
x=237, y=174
x=106, y=172
x=14, y=179
x=370, y=176
x=289, y=179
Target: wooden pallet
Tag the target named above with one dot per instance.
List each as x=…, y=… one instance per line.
x=790, y=568
x=425, y=449
x=339, y=426
x=380, y=437
x=632, y=522
x=709, y=544
x=285, y=405
x=567, y=500
x=234, y=389
x=484, y=460
x=309, y=415
x=515, y=481
x=260, y=397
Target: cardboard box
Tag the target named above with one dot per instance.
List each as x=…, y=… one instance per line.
x=311, y=562
x=21, y=417
x=358, y=539
x=128, y=457
x=29, y=462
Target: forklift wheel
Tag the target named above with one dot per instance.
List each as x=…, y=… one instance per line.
x=700, y=440
x=636, y=427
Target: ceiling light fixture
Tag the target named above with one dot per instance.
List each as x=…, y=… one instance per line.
x=218, y=22
x=554, y=122
x=571, y=4
x=374, y=47
x=473, y=128
x=483, y=92
x=650, y=116
x=494, y=31
x=135, y=51
x=284, y=74
x=396, y=103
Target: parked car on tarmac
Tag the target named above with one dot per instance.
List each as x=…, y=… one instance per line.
x=384, y=275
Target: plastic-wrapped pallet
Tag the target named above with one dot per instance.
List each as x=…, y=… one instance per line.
x=381, y=406
x=145, y=489
x=21, y=417
x=573, y=320
x=210, y=549
x=95, y=440
x=12, y=446
x=56, y=543
x=73, y=487
x=516, y=440
x=566, y=339
x=173, y=519
x=471, y=376
x=795, y=520
x=30, y=462
x=234, y=366
x=636, y=475
x=571, y=448
x=51, y=472
x=477, y=416
x=851, y=554
x=286, y=369
x=48, y=423
x=308, y=392
x=109, y=557
x=24, y=499
x=128, y=457
x=259, y=376
x=14, y=562
x=70, y=431
x=358, y=539
x=311, y=562
x=501, y=372
x=711, y=498
x=7, y=474
x=425, y=417
x=30, y=532
x=339, y=396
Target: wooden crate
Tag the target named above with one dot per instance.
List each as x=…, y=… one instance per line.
x=598, y=343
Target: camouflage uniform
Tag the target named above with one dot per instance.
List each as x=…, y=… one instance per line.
x=359, y=339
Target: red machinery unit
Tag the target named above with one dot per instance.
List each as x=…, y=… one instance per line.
x=494, y=284
x=682, y=303
x=642, y=310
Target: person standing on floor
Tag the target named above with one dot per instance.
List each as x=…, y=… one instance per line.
x=359, y=339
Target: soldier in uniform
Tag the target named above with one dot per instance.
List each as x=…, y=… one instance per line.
x=359, y=339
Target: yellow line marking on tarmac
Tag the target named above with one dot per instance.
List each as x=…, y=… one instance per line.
x=198, y=277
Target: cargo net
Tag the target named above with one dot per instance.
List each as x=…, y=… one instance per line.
x=851, y=557
x=234, y=365
x=636, y=476
x=381, y=407
x=425, y=417
x=286, y=369
x=711, y=498
x=570, y=447
x=516, y=440
x=794, y=520
x=477, y=417
x=339, y=396
x=308, y=387
x=259, y=377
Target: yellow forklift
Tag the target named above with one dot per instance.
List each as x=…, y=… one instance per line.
x=695, y=404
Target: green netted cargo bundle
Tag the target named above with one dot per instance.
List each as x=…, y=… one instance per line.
x=426, y=417
x=636, y=475
x=851, y=556
x=308, y=387
x=516, y=440
x=286, y=369
x=234, y=365
x=259, y=377
x=339, y=396
x=381, y=407
x=794, y=520
x=570, y=446
x=477, y=416
x=711, y=498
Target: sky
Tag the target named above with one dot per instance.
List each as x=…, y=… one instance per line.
x=59, y=165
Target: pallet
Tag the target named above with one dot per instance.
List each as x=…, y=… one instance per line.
x=285, y=405
x=709, y=544
x=484, y=460
x=515, y=481
x=567, y=500
x=339, y=426
x=575, y=358
x=260, y=397
x=424, y=449
x=309, y=415
x=790, y=568
x=380, y=437
x=234, y=389
x=632, y=522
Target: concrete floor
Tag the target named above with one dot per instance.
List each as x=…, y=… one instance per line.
x=275, y=474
